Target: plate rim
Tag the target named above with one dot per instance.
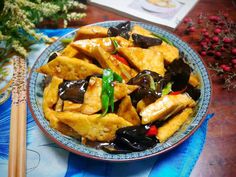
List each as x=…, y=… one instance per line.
x=123, y=159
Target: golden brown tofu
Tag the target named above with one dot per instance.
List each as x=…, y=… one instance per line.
x=140, y=30
x=142, y=104
x=92, y=97
x=123, y=42
x=106, y=60
x=165, y=106
x=93, y=91
x=169, y=52
x=70, y=106
x=59, y=105
x=69, y=68
x=87, y=45
x=50, y=98
x=94, y=127
x=88, y=32
x=173, y=125
x=70, y=51
x=144, y=59
x=128, y=112
x=194, y=80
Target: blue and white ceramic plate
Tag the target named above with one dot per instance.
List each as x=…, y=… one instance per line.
x=35, y=93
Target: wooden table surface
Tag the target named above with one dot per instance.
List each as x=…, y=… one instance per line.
x=218, y=158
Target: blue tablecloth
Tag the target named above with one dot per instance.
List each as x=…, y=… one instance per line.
x=45, y=158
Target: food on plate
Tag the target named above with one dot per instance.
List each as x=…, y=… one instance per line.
x=172, y=125
x=121, y=89
x=162, y=3
x=69, y=68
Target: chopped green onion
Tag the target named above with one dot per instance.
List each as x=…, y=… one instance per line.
x=108, y=89
x=163, y=38
x=117, y=77
x=167, y=89
x=152, y=83
x=116, y=45
x=67, y=40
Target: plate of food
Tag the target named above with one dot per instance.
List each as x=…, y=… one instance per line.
x=160, y=6
x=119, y=91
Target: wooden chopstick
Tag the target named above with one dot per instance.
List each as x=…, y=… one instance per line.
x=13, y=123
x=17, y=162
x=21, y=140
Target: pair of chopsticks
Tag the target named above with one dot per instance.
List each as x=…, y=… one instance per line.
x=17, y=146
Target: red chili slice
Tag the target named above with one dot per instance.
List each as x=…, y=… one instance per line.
x=121, y=59
x=152, y=131
x=178, y=92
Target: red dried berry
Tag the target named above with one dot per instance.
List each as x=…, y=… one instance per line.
x=228, y=69
x=226, y=31
x=203, y=43
x=222, y=49
x=215, y=38
x=206, y=34
x=203, y=30
x=187, y=20
x=217, y=31
x=207, y=40
x=225, y=15
x=225, y=67
x=234, y=51
x=218, y=54
x=227, y=40
x=203, y=53
x=191, y=29
x=214, y=18
x=233, y=60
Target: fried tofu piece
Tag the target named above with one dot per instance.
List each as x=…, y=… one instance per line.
x=142, y=31
x=92, y=97
x=194, y=80
x=123, y=42
x=169, y=52
x=173, y=125
x=50, y=94
x=69, y=68
x=106, y=60
x=142, y=104
x=144, y=59
x=50, y=98
x=128, y=112
x=70, y=106
x=87, y=45
x=71, y=51
x=165, y=106
x=89, y=32
x=59, y=105
x=94, y=127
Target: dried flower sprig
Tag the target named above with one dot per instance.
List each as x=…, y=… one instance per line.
x=217, y=43
x=18, y=20
x=19, y=17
